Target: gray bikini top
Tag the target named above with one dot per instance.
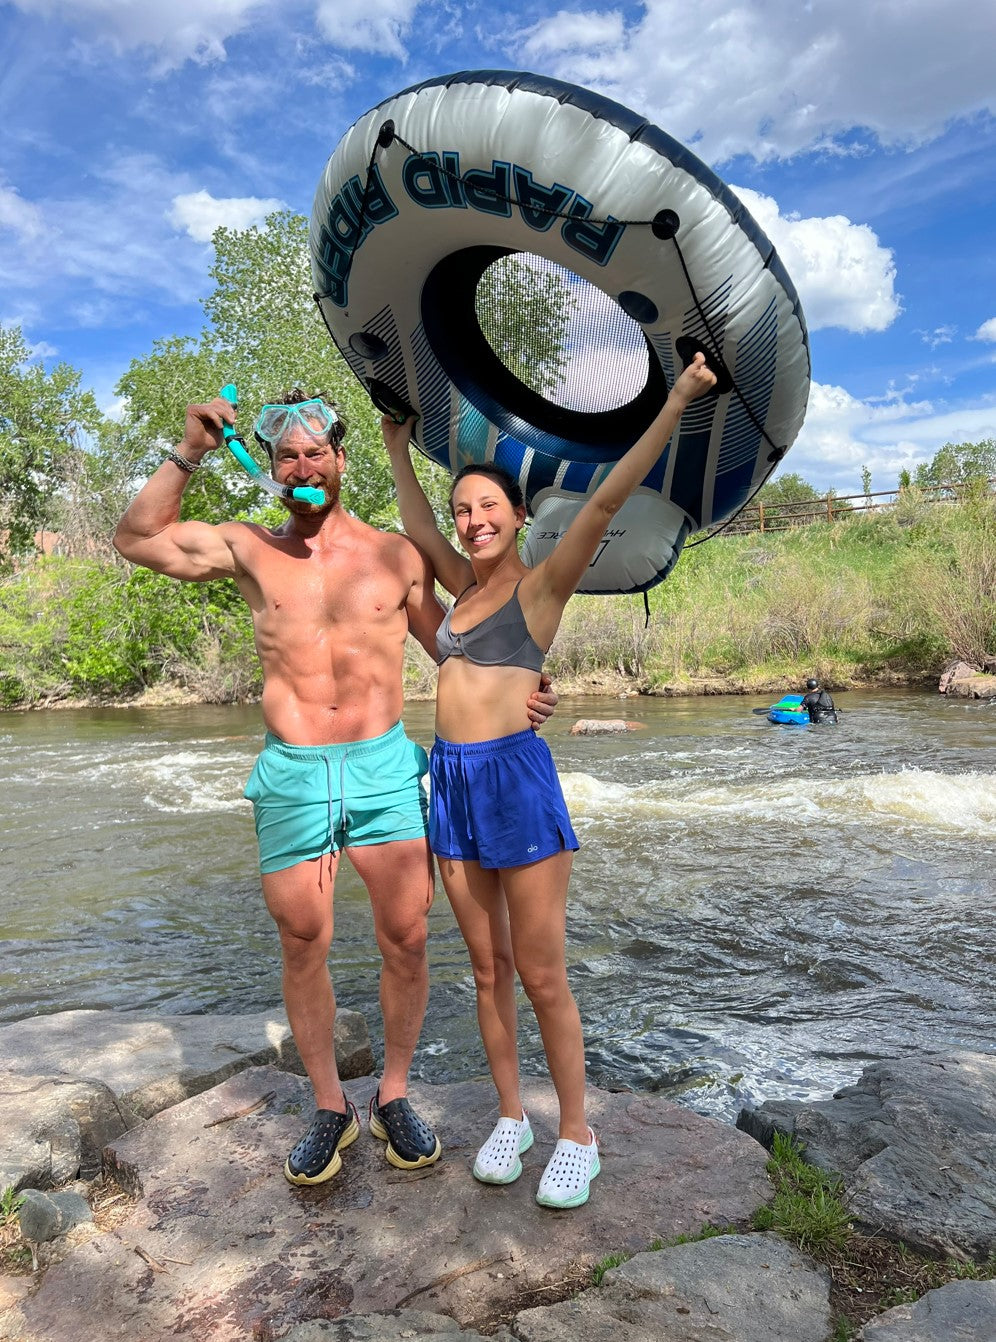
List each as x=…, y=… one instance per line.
x=501, y=639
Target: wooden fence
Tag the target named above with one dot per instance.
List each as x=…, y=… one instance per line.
x=835, y=507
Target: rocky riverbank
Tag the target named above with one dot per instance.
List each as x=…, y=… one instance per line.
x=957, y=679
x=175, y=1129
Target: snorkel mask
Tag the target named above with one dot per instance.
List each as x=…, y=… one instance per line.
x=314, y=416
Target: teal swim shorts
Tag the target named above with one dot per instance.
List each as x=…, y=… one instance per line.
x=311, y=800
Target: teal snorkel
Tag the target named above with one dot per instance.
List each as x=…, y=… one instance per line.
x=236, y=445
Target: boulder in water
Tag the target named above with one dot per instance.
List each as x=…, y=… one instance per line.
x=603, y=727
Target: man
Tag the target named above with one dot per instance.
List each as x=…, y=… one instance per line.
x=332, y=601
x=818, y=703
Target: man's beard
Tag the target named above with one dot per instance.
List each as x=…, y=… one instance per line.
x=299, y=508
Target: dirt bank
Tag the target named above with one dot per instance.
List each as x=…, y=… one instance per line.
x=603, y=684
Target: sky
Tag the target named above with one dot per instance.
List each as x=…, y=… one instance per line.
x=861, y=136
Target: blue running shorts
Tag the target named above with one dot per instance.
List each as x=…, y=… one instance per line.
x=311, y=800
x=498, y=802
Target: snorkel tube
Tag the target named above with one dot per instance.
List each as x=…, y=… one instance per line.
x=236, y=445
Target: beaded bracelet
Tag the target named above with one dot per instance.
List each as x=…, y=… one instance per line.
x=182, y=462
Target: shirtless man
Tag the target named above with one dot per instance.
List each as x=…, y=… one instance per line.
x=332, y=601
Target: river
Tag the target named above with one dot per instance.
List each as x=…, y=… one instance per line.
x=756, y=911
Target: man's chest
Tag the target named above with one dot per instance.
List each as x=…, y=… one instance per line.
x=332, y=589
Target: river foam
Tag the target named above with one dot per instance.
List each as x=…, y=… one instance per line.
x=960, y=803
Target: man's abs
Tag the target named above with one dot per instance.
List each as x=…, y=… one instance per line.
x=325, y=709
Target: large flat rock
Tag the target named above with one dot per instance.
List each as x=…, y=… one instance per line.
x=732, y=1288
x=972, y=687
x=962, y=1311
x=73, y=1081
x=914, y=1140
x=238, y=1253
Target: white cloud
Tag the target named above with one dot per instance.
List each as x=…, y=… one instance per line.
x=198, y=30
x=602, y=377
x=987, y=331
x=378, y=26
x=777, y=78
x=19, y=215
x=568, y=31
x=110, y=244
x=177, y=30
x=844, y=276
x=10, y=320
x=940, y=335
x=842, y=433
x=111, y=404
x=768, y=79
x=198, y=214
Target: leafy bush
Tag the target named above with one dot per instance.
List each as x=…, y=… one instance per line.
x=71, y=627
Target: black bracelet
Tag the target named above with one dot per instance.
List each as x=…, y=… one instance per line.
x=182, y=462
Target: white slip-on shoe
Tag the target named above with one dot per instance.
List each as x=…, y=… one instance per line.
x=498, y=1159
x=567, y=1178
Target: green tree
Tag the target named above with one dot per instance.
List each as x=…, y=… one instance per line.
x=157, y=389
x=263, y=317
x=266, y=335
x=790, y=496
x=44, y=419
x=524, y=308
x=788, y=488
x=791, y=493
x=958, y=463
x=87, y=626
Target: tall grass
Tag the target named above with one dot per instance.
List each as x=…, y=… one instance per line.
x=897, y=592
x=947, y=586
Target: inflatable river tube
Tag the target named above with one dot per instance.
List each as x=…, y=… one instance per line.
x=458, y=224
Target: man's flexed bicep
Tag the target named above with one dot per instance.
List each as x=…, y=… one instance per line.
x=151, y=534
x=190, y=551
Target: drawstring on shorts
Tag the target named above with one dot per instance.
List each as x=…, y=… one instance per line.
x=342, y=796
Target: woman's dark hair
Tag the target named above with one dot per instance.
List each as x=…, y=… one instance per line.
x=509, y=485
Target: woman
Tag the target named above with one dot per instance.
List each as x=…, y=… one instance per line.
x=498, y=823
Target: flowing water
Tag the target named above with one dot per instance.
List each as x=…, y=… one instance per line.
x=756, y=911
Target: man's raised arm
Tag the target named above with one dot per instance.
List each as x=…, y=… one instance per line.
x=150, y=532
x=424, y=609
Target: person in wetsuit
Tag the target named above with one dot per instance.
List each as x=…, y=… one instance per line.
x=497, y=820
x=818, y=703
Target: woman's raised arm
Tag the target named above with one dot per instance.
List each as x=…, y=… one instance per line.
x=564, y=568
x=417, y=517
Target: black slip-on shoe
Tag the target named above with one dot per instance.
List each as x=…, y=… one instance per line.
x=316, y=1156
x=411, y=1143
